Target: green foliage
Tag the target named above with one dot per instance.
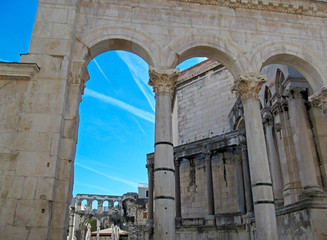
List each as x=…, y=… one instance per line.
x=93, y=223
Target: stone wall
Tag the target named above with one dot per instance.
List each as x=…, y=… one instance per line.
x=204, y=102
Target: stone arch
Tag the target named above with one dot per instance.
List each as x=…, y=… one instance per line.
x=101, y=39
x=309, y=64
x=223, y=50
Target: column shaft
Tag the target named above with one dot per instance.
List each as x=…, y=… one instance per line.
x=247, y=180
x=240, y=187
x=178, y=189
x=273, y=158
x=150, y=191
x=210, y=197
x=264, y=208
x=301, y=137
x=163, y=82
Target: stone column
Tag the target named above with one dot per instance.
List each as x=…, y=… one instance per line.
x=247, y=180
x=319, y=127
x=302, y=134
x=178, y=190
x=163, y=82
x=273, y=158
x=290, y=174
x=264, y=208
x=240, y=186
x=150, y=167
x=210, y=197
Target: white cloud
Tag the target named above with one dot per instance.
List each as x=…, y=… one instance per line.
x=133, y=184
x=139, y=70
x=115, y=102
x=139, y=125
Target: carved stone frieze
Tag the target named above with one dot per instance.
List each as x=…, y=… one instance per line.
x=163, y=81
x=248, y=86
x=319, y=99
x=295, y=92
x=295, y=7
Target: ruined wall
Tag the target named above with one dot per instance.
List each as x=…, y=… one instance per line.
x=204, y=103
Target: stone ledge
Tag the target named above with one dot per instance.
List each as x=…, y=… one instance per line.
x=18, y=71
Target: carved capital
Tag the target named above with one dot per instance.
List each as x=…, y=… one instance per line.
x=267, y=117
x=248, y=86
x=319, y=99
x=79, y=74
x=163, y=81
x=295, y=92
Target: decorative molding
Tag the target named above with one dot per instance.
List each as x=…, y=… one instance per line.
x=306, y=8
x=163, y=81
x=319, y=99
x=18, y=71
x=79, y=74
x=295, y=92
x=248, y=86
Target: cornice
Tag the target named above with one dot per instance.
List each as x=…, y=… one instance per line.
x=299, y=7
x=18, y=71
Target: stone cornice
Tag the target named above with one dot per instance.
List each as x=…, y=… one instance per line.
x=18, y=71
x=299, y=7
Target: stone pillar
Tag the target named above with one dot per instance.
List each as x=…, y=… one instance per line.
x=264, y=208
x=289, y=168
x=210, y=197
x=319, y=127
x=273, y=158
x=302, y=134
x=240, y=186
x=247, y=180
x=163, y=82
x=178, y=190
x=150, y=167
x=100, y=206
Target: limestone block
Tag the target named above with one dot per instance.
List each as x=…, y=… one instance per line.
x=69, y=128
x=45, y=190
x=54, y=144
x=29, y=188
x=38, y=233
x=61, y=196
x=39, y=122
x=8, y=161
x=56, y=47
x=13, y=232
x=6, y=140
x=67, y=148
x=32, y=213
x=11, y=186
x=27, y=141
x=36, y=164
x=62, y=31
x=7, y=211
x=49, y=13
x=65, y=169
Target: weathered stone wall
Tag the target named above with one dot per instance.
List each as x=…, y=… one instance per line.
x=203, y=104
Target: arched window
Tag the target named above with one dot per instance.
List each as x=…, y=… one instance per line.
x=278, y=82
x=267, y=98
x=106, y=206
x=84, y=204
x=95, y=205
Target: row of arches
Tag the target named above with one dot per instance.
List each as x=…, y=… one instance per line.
x=232, y=56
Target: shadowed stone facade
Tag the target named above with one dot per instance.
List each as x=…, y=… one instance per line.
x=40, y=96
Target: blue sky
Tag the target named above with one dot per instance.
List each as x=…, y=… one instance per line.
x=116, y=128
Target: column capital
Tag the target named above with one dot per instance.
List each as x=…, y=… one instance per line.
x=267, y=117
x=79, y=74
x=177, y=162
x=295, y=92
x=163, y=80
x=319, y=99
x=248, y=86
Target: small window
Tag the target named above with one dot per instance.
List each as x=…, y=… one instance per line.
x=146, y=193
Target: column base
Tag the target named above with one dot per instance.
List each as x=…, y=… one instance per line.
x=210, y=220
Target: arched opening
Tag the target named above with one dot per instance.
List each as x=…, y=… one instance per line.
x=116, y=204
x=116, y=125
x=202, y=103
x=95, y=205
x=84, y=205
x=106, y=206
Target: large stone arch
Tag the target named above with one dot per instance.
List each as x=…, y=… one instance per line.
x=307, y=62
x=106, y=38
x=211, y=46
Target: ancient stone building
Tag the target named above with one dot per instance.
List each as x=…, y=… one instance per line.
x=40, y=96
x=128, y=212
x=213, y=187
